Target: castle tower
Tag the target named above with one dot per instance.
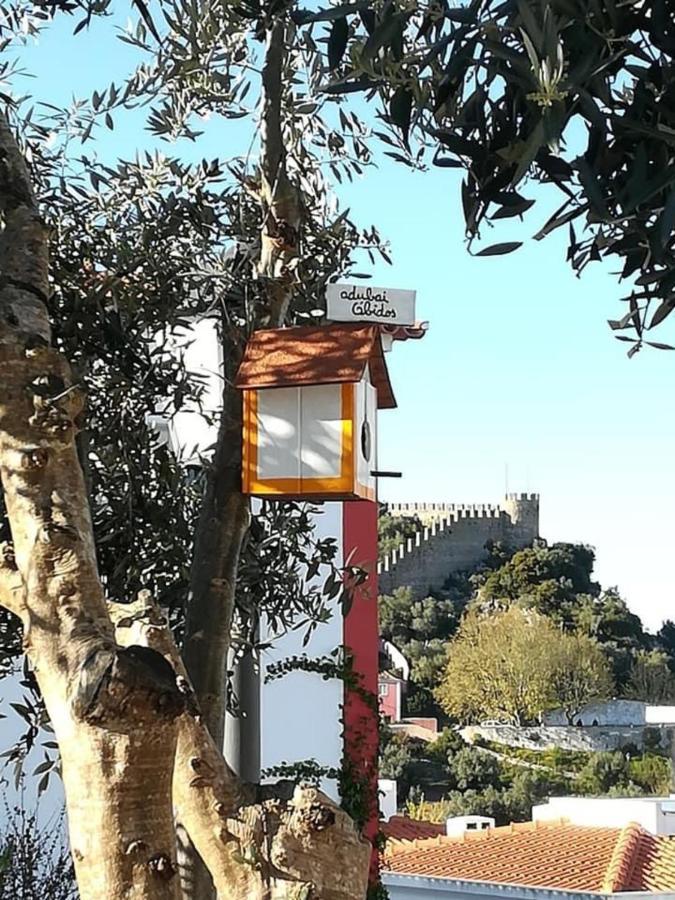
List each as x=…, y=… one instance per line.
x=523, y=510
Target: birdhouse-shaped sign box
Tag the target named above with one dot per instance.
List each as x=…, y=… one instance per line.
x=311, y=396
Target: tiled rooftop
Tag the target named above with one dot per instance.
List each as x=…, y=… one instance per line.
x=402, y=828
x=539, y=854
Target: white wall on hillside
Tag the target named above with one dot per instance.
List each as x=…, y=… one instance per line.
x=615, y=712
x=301, y=713
x=604, y=712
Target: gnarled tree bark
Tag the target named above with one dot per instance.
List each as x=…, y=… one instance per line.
x=113, y=709
x=121, y=704
x=288, y=845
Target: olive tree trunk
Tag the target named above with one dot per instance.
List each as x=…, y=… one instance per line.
x=133, y=744
x=224, y=515
x=113, y=709
x=290, y=843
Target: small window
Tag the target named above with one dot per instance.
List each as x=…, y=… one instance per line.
x=472, y=826
x=384, y=690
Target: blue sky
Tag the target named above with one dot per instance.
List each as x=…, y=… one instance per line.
x=518, y=370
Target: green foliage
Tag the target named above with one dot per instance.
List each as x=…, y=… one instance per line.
x=546, y=579
x=557, y=581
x=554, y=758
x=306, y=771
x=472, y=769
x=511, y=801
x=604, y=771
x=580, y=673
x=554, y=581
x=419, y=629
x=392, y=531
x=514, y=664
x=571, y=95
x=651, y=678
x=608, y=620
x=651, y=773
x=34, y=863
x=530, y=787
x=447, y=777
x=397, y=753
x=665, y=639
x=448, y=743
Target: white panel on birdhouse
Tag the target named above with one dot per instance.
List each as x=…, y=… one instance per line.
x=321, y=431
x=279, y=433
x=300, y=432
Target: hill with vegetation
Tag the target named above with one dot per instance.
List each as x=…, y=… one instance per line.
x=525, y=632
x=450, y=778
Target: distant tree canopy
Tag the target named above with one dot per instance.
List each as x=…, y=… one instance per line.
x=579, y=673
x=547, y=579
x=395, y=530
x=665, y=639
x=557, y=582
x=420, y=629
x=594, y=627
x=513, y=665
x=448, y=777
x=651, y=678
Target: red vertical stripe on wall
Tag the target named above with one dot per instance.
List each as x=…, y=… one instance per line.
x=361, y=637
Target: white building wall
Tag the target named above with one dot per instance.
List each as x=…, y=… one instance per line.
x=388, y=798
x=301, y=713
x=660, y=715
x=616, y=712
x=655, y=814
x=191, y=433
x=606, y=712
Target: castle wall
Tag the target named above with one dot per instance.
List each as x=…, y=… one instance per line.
x=453, y=538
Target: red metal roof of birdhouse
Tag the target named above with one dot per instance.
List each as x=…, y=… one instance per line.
x=328, y=354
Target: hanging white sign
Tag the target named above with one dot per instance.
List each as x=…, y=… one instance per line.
x=358, y=303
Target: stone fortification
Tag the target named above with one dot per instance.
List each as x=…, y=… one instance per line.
x=453, y=538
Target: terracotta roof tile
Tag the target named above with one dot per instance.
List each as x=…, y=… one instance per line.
x=654, y=868
x=328, y=354
x=402, y=828
x=544, y=854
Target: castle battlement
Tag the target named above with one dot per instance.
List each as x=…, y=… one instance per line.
x=452, y=537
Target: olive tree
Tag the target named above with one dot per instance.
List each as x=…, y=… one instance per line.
x=137, y=249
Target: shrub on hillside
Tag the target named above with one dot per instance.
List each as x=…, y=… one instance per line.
x=446, y=745
x=472, y=768
x=652, y=773
x=604, y=771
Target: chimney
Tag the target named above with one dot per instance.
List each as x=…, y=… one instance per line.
x=388, y=801
x=462, y=824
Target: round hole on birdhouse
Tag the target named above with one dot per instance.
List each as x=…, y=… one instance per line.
x=366, y=441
